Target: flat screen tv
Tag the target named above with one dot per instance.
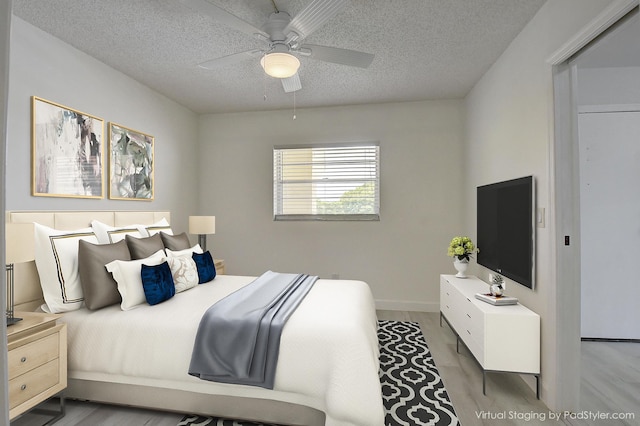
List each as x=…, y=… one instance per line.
x=506, y=229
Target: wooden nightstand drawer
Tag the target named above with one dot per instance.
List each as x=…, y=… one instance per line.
x=32, y=355
x=33, y=383
x=37, y=361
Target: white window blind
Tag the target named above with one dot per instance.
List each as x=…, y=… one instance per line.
x=326, y=182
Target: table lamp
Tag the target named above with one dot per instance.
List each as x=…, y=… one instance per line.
x=19, y=248
x=202, y=225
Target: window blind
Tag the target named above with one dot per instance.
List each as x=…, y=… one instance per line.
x=326, y=182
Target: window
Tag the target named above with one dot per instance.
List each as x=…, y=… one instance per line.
x=326, y=182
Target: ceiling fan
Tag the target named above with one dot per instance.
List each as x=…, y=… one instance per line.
x=283, y=36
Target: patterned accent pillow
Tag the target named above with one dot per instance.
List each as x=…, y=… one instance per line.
x=157, y=283
x=205, y=265
x=184, y=272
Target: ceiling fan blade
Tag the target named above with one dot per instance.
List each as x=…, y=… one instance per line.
x=291, y=84
x=338, y=56
x=231, y=59
x=223, y=17
x=312, y=17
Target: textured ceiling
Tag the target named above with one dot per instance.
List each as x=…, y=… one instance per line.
x=424, y=49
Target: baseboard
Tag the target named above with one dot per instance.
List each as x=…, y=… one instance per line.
x=603, y=339
x=403, y=305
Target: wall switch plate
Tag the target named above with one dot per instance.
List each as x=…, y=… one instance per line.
x=540, y=219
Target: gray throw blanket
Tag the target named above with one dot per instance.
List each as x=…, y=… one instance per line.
x=238, y=338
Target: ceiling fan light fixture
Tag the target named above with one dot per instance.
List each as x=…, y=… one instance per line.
x=280, y=64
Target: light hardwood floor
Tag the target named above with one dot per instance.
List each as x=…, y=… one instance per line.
x=507, y=395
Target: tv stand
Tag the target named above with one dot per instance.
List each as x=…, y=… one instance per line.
x=502, y=339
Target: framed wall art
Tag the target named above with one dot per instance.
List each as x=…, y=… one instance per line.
x=131, y=164
x=66, y=151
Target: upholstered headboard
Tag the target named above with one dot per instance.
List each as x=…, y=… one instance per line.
x=28, y=294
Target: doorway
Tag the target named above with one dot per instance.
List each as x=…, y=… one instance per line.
x=604, y=54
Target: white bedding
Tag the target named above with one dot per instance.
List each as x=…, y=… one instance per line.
x=328, y=355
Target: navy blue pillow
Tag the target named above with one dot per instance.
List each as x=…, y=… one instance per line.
x=157, y=282
x=206, y=268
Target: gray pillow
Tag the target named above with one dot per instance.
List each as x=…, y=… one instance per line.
x=144, y=247
x=98, y=286
x=175, y=242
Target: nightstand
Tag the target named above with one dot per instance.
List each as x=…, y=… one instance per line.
x=219, y=265
x=37, y=362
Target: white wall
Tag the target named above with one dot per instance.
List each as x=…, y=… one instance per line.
x=608, y=86
x=509, y=126
x=401, y=256
x=5, y=36
x=43, y=66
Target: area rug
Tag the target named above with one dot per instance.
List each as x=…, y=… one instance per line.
x=412, y=391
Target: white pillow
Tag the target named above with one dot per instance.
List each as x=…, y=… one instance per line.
x=56, y=255
x=184, y=272
x=128, y=277
x=185, y=252
x=162, y=225
x=108, y=234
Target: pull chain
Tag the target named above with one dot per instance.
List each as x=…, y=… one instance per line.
x=264, y=78
x=294, y=105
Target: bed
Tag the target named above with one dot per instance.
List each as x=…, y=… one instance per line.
x=327, y=370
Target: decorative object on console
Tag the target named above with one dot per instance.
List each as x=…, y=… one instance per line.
x=496, y=287
x=461, y=249
x=131, y=164
x=67, y=148
x=497, y=300
x=202, y=225
x=18, y=249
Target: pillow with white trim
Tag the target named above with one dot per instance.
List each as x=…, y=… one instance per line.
x=56, y=255
x=185, y=252
x=161, y=225
x=127, y=274
x=108, y=234
x=184, y=272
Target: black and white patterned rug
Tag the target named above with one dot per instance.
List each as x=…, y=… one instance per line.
x=412, y=391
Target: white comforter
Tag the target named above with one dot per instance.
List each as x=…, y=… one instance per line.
x=328, y=355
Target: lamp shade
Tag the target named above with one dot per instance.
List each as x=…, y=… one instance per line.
x=202, y=225
x=280, y=64
x=20, y=245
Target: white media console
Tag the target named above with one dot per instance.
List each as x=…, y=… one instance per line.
x=501, y=338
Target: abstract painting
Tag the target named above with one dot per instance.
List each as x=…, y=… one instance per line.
x=67, y=151
x=131, y=164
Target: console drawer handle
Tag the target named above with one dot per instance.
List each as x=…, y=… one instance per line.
x=23, y=387
x=23, y=359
